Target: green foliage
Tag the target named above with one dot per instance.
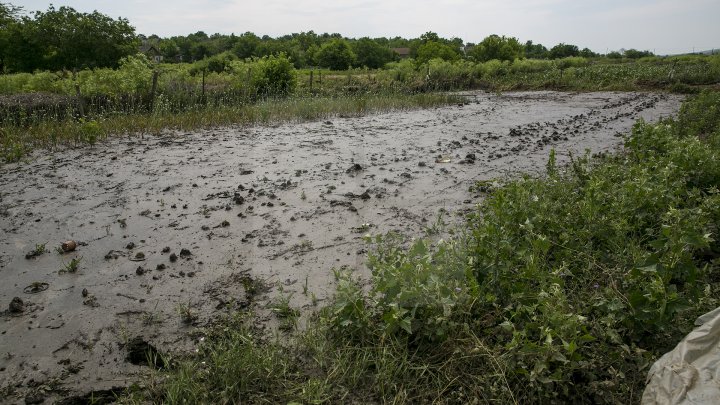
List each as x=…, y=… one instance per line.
x=64, y=39
x=497, y=47
x=576, y=282
x=370, y=54
x=436, y=50
x=563, y=50
x=336, y=55
x=274, y=75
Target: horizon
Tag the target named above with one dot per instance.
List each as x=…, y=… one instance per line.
x=663, y=27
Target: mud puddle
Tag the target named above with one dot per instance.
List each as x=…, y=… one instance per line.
x=174, y=230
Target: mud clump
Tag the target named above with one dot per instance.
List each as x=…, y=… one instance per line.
x=185, y=253
x=17, y=306
x=142, y=353
x=354, y=169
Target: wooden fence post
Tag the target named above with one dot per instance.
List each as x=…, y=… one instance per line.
x=153, y=89
x=81, y=102
x=202, y=97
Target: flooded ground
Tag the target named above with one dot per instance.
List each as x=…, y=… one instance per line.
x=175, y=229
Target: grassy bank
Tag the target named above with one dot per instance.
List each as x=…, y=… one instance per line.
x=560, y=289
x=18, y=141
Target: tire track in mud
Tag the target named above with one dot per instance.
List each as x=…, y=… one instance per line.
x=179, y=228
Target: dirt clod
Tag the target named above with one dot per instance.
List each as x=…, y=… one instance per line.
x=16, y=306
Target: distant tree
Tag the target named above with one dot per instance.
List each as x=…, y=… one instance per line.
x=562, y=50
x=169, y=49
x=64, y=38
x=429, y=37
x=371, y=54
x=535, y=51
x=497, y=47
x=614, y=55
x=9, y=20
x=433, y=50
x=246, y=45
x=336, y=55
x=587, y=53
x=635, y=54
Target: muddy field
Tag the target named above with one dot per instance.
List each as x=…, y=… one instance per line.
x=175, y=229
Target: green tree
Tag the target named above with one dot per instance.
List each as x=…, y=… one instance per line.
x=563, y=50
x=78, y=40
x=535, y=51
x=9, y=20
x=371, y=54
x=434, y=50
x=336, y=55
x=498, y=47
x=246, y=45
x=635, y=54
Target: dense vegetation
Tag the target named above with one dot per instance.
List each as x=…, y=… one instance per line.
x=560, y=289
x=49, y=109
x=63, y=38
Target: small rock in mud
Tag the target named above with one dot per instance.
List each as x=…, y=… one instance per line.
x=160, y=266
x=166, y=249
x=68, y=246
x=16, y=306
x=246, y=172
x=354, y=168
x=130, y=246
x=422, y=164
x=185, y=253
x=224, y=224
x=238, y=199
x=139, y=271
x=142, y=353
x=84, y=292
x=173, y=257
x=140, y=256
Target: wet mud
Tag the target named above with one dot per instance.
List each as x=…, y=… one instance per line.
x=174, y=230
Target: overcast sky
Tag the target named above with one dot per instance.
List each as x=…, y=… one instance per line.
x=663, y=26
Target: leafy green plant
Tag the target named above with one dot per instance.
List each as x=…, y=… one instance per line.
x=72, y=266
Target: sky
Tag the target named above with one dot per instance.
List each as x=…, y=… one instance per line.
x=661, y=26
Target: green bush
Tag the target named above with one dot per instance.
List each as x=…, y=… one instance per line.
x=274, y=75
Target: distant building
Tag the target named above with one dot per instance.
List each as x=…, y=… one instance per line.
x=403, y=53
x=151, y=52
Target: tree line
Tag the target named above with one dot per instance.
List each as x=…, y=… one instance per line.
x=64, y=38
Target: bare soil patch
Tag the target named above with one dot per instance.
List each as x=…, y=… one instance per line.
x=175, y=229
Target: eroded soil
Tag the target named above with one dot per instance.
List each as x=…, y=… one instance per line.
x=175, y=229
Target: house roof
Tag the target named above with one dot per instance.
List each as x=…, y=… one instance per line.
x=149, y=48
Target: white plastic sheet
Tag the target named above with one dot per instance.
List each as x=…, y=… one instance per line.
x=690, y=373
